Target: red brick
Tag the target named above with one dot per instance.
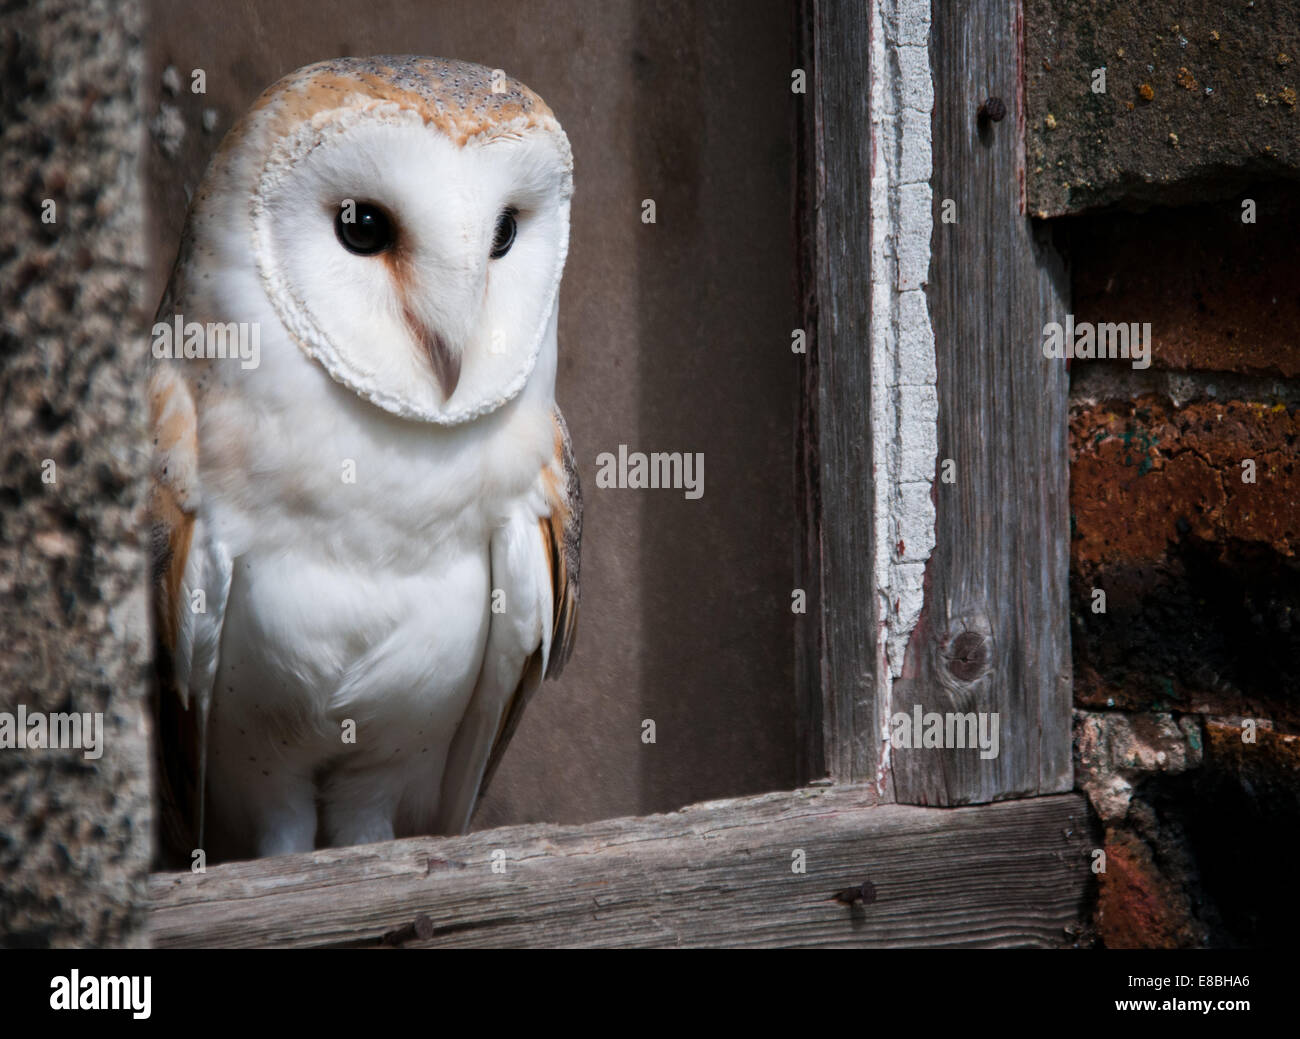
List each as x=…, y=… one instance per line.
x=1220, y=295
x=1137, y=907
x=1145, y=474
x=1270, y=766
x=1200, y=570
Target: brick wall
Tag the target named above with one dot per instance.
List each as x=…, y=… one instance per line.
x=1196, y=556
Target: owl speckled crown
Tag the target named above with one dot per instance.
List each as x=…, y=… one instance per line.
x=460, y=98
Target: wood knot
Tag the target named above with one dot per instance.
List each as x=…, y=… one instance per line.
x=969, y=657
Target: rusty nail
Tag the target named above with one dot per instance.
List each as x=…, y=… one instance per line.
x=992, y=110
x=864, y=893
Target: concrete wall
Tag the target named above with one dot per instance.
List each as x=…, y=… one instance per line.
x=1199, y=96
x=75, y=832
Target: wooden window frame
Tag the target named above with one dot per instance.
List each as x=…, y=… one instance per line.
x=992, y=635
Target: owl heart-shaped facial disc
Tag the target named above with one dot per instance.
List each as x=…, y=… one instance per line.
x=412, y=241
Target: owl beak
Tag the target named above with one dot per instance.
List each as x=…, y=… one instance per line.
x=446, y=364
x=444, y=360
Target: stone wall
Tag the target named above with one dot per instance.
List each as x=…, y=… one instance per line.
x=75, y=830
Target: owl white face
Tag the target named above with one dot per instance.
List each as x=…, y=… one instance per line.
x=422, y=271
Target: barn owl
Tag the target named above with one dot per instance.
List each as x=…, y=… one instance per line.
x=365, y=529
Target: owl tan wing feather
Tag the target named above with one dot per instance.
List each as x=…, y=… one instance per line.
x=173, y=426
x=561, y=532
x=184, y=560
x=523, y=647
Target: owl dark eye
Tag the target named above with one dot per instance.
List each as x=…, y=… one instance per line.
x=505, y=234
x=364, y=230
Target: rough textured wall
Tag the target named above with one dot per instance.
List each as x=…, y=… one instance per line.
x=75, y=831
x=1198, y=94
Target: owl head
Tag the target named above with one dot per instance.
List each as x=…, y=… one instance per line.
x=407, y=219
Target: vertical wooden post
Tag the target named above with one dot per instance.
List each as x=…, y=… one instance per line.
x=836, y=647
x=810, y=762
x=994, y=637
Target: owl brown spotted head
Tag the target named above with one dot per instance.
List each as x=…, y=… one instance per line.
x=461, y=99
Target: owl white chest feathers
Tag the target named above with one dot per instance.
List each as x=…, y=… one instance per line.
x=360, y=599
x=363, y=565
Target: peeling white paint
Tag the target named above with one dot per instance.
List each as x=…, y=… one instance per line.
x=904, y=399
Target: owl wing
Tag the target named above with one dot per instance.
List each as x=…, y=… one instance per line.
x=534, y=560
x=191, y=583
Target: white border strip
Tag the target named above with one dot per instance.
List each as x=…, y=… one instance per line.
x=904, y=399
